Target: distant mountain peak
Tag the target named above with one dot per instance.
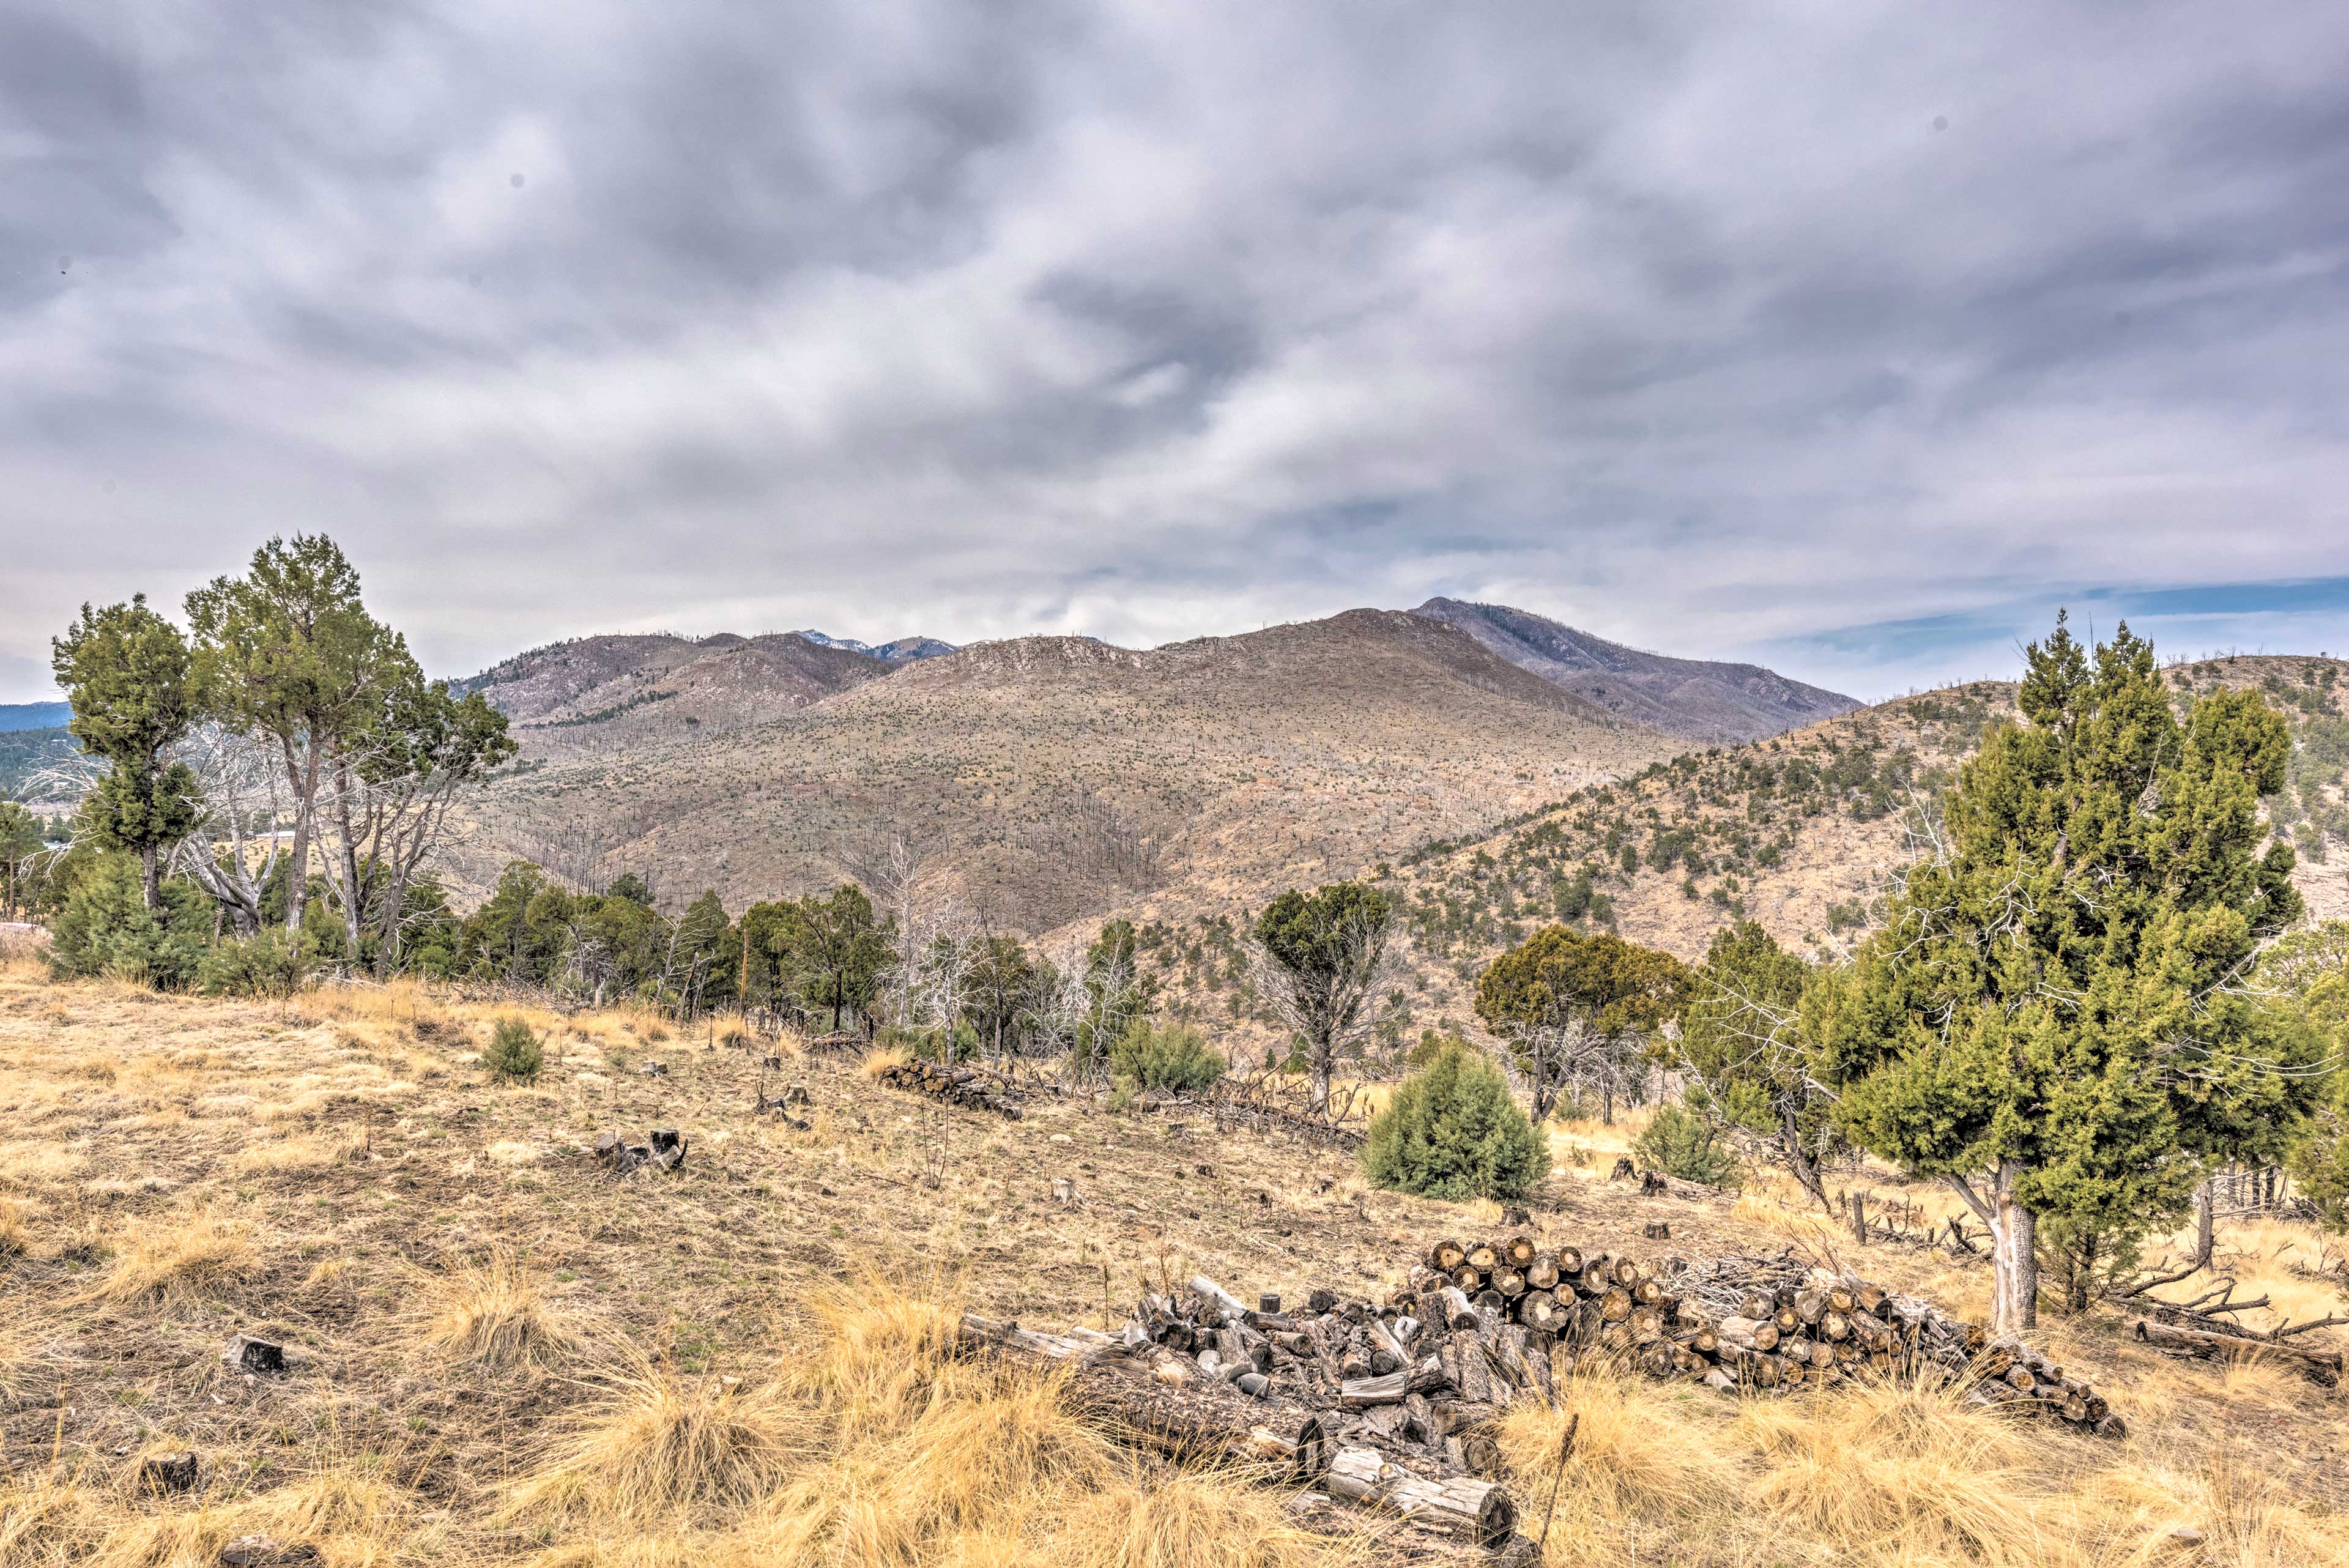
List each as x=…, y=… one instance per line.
x=897, y=652
x=1696, y=699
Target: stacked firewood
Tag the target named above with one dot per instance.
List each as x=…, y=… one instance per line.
x=961, y=1086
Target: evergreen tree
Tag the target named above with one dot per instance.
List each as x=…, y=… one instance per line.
x=1454, y=1132
x=838, y=949
x=1741, y=1046
x=1327, y=958
x=20, y=839
x=1578, y=1005
x=288, y=653
x=127, y=671
x=2053, y=1018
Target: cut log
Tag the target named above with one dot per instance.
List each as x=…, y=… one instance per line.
x=1484, y=1257
x=2320, y=1366
x=1542, y=1273
x=1446, y=1256
x=1202, y=1420
x=1466, y=1509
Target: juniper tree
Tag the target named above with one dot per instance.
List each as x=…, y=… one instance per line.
x=287, y=651
x=127, y=671
x=1741, y=1044
x=1325, y=956
x=2053, y=1016
x=1578, y=1005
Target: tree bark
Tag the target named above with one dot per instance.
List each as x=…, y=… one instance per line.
x=1471, y=1510
x=2205, y=1239
x=2014, y=1259
x=151, y=885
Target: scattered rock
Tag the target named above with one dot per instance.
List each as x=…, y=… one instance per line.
x=2187, y=1535
x=168, y=1472
x=261, y=1357
x=654, y=1070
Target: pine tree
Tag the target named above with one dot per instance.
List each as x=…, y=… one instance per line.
x=1454, y=1132
x=2051, y=1017
x=126, y=670
x=1327, y=957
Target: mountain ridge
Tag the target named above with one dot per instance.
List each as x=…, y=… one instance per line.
x=1698, y=700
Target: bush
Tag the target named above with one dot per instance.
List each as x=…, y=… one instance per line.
x=2319, y=1161
x=1179, y=1059
x=1454, y=1132
x=106, y=929
x=1681, y=1144
x=514, y=1055
x=274, y=963
x=2080, y=1258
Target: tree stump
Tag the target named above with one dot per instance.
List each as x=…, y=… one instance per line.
x=164, y=1473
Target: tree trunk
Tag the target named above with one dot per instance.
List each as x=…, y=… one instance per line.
x=151, y=885
x=306, y=802
x=1607, y=1103
x=1321, y=1076
x=2014, y=1259
x=2205, y=1208
x=1805, y=1170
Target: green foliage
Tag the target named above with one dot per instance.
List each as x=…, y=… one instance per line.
x=1572, y=1003
x=2055, y=1002
x=1176, y=1059
x=274, y=963
x=127, y=671
x=513, y=1054
x=1431, y=1046
x=1453, y=1132
x=838, y=949
x=1741, y=1045
x=106, y=929
x=1329, y=947
x=20, y=839
x=2082, y=1256
x=1680, y=1143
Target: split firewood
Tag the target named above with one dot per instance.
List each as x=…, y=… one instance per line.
x=1477, y=1510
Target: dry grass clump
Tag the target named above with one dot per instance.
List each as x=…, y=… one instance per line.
x=1644, y=1452
x=291, y=1155
x=931, y=1459
x=1900, y=1462
x=170, y=1257
x=16, y=1231
x=495, y=1316
x=876, y=1062
x=661, y=1442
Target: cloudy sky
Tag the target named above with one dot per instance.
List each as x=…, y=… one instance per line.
x=1848, y=336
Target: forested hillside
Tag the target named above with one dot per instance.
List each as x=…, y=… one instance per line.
x=1800, y=831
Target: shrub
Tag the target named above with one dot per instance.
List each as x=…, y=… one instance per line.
x=514, y=1055
x=106, y=929
x=275, y=963
x=1179, y=1059
x=2080, y=1259
x=1454, y=1132
x=1680, y=1143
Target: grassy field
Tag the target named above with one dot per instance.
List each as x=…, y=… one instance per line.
x=503, y=1355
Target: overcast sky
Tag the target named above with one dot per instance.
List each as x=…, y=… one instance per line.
x=1851, y=336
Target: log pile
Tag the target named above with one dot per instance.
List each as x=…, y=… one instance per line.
x=962, y=1086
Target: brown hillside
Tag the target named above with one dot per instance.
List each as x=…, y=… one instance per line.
x=1063, y=776
x=604, y=695
x=1799, y=831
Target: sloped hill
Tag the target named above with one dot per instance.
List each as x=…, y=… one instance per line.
x=1059, y=777
x=1695, y=699
x=15, y=716
x=895, y=651
x=607, y=694
x=1799, y=831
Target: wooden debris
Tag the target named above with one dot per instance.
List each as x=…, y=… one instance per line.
x=962, y=1086
x=2323, y=1367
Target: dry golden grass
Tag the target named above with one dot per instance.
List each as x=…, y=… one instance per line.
x=292, y=1155
x=495, y=1316
x=876, y=1062
x=855, y=1441
x=660, y=1441
x=181, y=1257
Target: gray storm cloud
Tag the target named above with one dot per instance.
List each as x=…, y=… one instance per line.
x=1716, y=328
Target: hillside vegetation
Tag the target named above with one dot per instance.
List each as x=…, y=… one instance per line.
x=1800, y=831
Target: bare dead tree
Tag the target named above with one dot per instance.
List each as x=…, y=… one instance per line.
x=235, y=849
